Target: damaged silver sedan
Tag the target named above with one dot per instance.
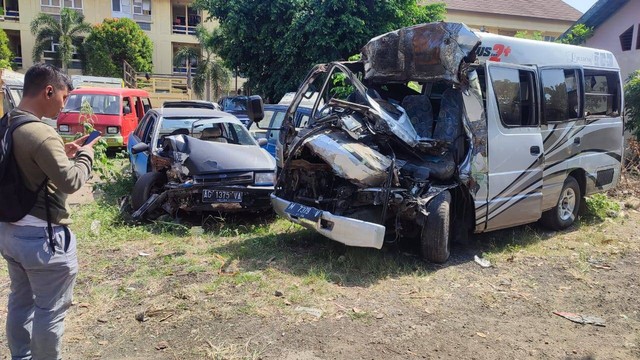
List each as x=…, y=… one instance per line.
x=197, y=161
x=387, y=153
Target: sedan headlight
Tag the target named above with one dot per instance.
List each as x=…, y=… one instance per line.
x=265, y=179
x=112, y=130
x=63, y=128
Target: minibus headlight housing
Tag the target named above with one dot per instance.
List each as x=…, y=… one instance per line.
x=63, y=128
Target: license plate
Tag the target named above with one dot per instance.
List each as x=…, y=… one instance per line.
x=305, y=212
x=221, y=196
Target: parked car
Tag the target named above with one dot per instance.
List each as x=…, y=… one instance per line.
x=269, y=127
x=197, y=160
x=201, y=104
x=117, y=112
x=238, y=106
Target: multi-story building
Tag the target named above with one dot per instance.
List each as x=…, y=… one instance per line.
x=506, y=17
x=170, y=24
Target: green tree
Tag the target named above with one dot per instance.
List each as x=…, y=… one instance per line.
x=578, y=35
x=114, y=41
x=67, y=32
x=210, y=75
x=6, y=56
x=524, y=34
x=632, y=103
x=275, y=43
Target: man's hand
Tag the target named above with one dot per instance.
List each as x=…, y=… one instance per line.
x=71, y=148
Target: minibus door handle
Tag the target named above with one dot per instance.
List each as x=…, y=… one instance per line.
x=535, y=150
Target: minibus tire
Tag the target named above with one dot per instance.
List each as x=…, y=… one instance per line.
x=145, y=186
x=434, y=238
x=553, y=218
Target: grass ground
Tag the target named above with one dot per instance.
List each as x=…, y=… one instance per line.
x=261, y=287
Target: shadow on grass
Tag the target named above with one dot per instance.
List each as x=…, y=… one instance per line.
x=304, y=253
x=521, y=237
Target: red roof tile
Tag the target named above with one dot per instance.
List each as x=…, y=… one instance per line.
x=544, y=9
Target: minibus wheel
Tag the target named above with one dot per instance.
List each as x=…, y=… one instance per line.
x=434, y=239
x=565, y=213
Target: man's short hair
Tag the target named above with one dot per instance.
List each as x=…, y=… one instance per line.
x=39, y=76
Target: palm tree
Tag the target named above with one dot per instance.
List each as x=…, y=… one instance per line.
x=210, y=75
x=66, y=32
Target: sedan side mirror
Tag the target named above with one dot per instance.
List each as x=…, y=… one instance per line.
x=139, y=147
x=255, y=110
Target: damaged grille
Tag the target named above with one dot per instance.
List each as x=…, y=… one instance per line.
x=244, y=178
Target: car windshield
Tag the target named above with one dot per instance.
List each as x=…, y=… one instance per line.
x=16, y=94
x=99, y=103
x=235, y=104
x=210, y=129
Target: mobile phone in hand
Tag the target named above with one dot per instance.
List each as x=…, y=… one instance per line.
x=94, y=134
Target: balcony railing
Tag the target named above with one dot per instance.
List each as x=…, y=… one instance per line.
x=13, y=15
x=55, y=10
x=184, y=29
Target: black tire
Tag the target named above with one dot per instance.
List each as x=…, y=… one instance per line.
x=434, y=239
x=565, y=213
x=145, y=186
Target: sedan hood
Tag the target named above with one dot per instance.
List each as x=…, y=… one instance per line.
x=206, y=157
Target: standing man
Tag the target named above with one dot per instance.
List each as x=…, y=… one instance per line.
x=42, y=264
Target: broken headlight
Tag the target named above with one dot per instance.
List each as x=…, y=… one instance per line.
x=264, y=179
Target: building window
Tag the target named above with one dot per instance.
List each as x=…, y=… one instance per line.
x=115, y=5
x=626, y=38
x=602, y=93
x=561, y=95
x=50, y=3
x=144, y=25
x=73, y=4
x=550, y=38
x=142, y=7
x=638, y=39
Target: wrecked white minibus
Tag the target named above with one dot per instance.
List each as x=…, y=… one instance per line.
x=440, y=131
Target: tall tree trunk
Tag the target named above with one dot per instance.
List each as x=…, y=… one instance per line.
x=208, y=88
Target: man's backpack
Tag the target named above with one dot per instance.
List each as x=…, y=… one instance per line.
x=17, y=199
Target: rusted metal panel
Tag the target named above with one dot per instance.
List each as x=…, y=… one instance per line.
x=424, y=52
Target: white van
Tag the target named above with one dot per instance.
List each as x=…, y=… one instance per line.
x=440, y=131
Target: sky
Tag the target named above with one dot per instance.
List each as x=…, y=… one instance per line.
x=582, y=5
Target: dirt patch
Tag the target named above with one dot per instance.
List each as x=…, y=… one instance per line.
x=272, y=291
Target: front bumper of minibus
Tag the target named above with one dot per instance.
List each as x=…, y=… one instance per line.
x=351, y=232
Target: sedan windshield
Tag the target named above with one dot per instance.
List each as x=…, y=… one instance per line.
x=210, y=129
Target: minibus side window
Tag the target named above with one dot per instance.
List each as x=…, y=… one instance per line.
x=515, y=94
x=602, y=93
x=127, y=104
x=561, y=94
